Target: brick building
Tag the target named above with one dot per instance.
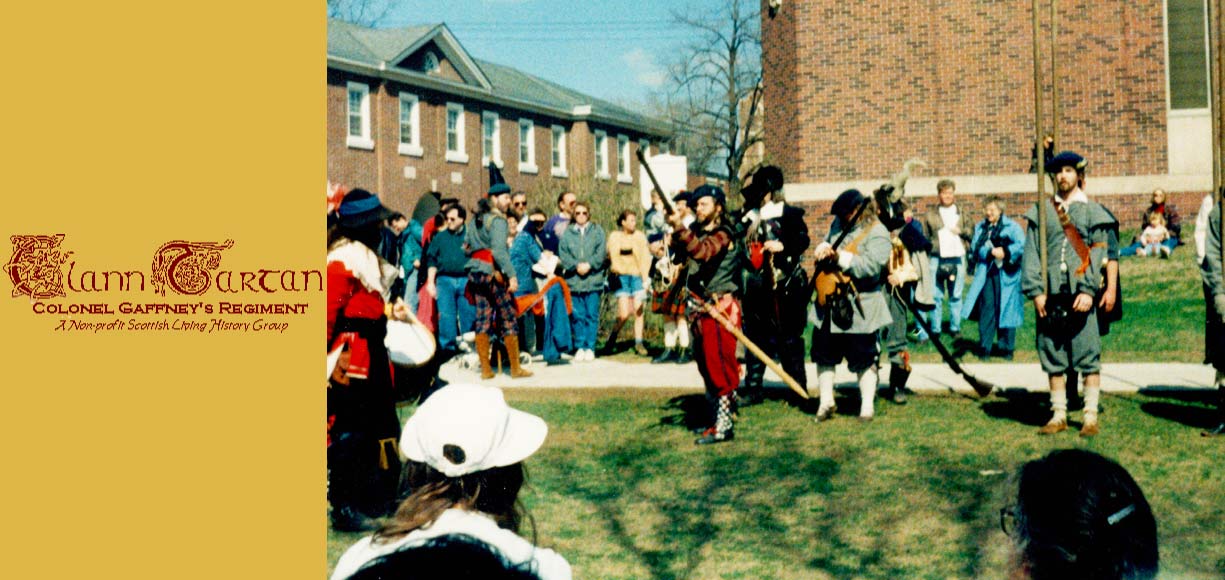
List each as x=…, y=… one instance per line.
x=409, y=109
x=856, y=89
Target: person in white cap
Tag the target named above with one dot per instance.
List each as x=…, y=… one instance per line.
x=466, y=449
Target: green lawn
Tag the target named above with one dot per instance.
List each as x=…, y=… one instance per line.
x=621, y=491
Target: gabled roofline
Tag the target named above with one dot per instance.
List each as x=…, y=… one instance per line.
x=485, y=94
x=454, y=51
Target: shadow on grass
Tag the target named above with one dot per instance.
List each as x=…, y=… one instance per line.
x=684, y=525
x=1020, y=406
x=1189, y=415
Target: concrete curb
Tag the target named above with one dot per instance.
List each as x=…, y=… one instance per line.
x=928, y=378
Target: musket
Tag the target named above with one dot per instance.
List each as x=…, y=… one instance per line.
x=663, y=197
x=980, y=386
x=748, y=344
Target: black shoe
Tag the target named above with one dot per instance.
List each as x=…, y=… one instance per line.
x=557, y=362
x=715, y=437
x=668, y=355
x=899, y=396
x=748, y=396
x=683, y=357
x=1215, y=431
x=348, y=519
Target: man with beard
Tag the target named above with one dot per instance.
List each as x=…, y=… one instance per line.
x=776, y=292
x=713, y=266
x=1068, y=337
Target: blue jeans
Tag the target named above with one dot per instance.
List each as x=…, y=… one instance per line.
x=935, y=318
x=452, y=308
x=586, y=319
x=557, y=337
x=1130, y=251
x=410, y=291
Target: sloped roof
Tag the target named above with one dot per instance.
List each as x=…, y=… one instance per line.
x=378, y=49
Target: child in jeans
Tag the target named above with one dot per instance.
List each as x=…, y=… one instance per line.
x=1153, y=235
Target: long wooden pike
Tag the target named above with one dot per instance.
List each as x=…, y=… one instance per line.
x=748, y=344
x=668, y=208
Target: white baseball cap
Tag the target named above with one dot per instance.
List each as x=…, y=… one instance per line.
x=465, y=428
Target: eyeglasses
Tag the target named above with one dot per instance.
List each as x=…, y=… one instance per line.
x=520, y=203
x=1008, y=520
x=580, y=213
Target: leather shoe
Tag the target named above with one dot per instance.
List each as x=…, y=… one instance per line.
x=1089, y=429
x=1215, y=431
x=825, y=414
x=899, y=396
x=666, y=356
x=1054, y=426
x=715, y=437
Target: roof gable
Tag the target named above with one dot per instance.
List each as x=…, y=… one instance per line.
x=391, y=47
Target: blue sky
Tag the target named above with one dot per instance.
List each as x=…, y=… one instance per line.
x=615, y=50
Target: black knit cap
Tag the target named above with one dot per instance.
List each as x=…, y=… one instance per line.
x=361, y=208
x=708, y=191
x=1066, y=159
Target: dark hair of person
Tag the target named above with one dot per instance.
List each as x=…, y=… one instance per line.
x=446, y=201
x=563, y=195
x=998, y=202
x=625, y=214
x=944, y=184
x=1081, y=515
x=463, y=213
x=451, y=557
x=493, y=492
x=395, y=216
x=369, y=235
x=537, y=211
x=483, y=207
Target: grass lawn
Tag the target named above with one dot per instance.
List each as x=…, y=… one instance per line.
x=621, y=491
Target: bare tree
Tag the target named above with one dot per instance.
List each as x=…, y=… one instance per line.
x=364, y=12
x=715, y=92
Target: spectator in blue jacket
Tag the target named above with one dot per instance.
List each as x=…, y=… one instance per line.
x=525, y=252
x=995, y=298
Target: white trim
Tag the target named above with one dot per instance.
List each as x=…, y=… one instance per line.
x=600, y=158
x=362, y=141
x=451, y=49
x=623, y=155
x=456, y=155
x=528, y=166
x=1025, y=183
x=413, y=146
x=644, y=145
x=559, y=147
x=496, y=138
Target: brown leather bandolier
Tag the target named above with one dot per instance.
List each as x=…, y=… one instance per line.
x=1078, y=243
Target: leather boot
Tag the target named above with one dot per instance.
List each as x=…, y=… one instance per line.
x=897, y=383
x=512, y=352
x=482, y=353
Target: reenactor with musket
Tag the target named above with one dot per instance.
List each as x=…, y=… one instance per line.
x=708, y=246
x=776, y=293
x=850, y=302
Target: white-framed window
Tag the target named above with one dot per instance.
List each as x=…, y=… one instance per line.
x=491, y=149
x=601, y=155
x=455, y=133
x=623, y=160
x=527, y=146
x=665, y=147
x=559, y=151
x=359, y=116
x=410, y=125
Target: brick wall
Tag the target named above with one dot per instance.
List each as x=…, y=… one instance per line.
x=855, y=89
x=383, y=169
